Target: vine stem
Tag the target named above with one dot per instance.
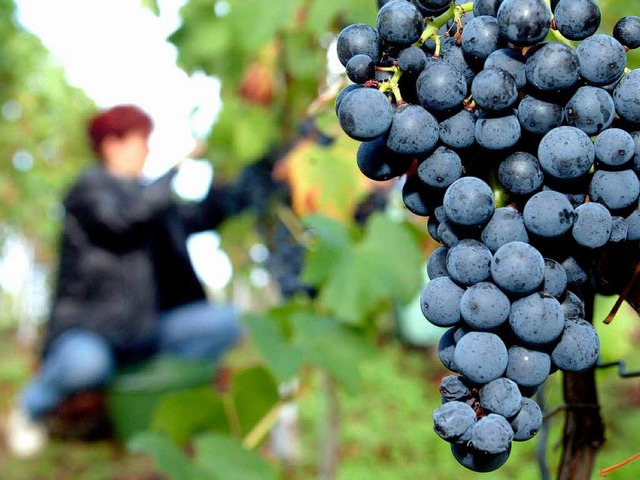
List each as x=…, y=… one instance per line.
x=583, y=428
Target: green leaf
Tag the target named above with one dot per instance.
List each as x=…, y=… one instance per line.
x=332, y=346
x=256, y=22
x=180, y=415
x=223, y=458
x=245, y=131
x=331, y=240
x=385, y=267
x=281, y=357
x=254, y=393
x=169, y=459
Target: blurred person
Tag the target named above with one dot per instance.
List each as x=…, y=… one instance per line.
x=126, y=289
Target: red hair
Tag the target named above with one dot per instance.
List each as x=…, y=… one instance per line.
x=117, y=121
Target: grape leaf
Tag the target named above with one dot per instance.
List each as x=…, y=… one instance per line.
x=169, y=458
x=254, y=393
x=330, y=345
x=385, y=267
x=224, y=458
x=281, y=357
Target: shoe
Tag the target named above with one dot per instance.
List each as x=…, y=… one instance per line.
x=24, y=436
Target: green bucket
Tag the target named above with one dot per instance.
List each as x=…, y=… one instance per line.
x=136, y=391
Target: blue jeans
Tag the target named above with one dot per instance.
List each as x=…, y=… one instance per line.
x=80, y=359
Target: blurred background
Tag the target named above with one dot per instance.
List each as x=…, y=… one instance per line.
x=340, y=377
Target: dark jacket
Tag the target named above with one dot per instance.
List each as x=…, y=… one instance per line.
x=124, y=256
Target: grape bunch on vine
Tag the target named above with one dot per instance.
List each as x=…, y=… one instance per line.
x=514, y=126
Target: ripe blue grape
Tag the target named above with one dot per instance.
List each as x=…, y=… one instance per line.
x=510, y=61
x=484, y=306
x=360, y=68
x=539, y=116
x=517, y=267
x=440, y=302
x=555, y=278
x=566, y=153
x=377, y=162
x=452, y=420
x=441, y=168
x=441, y=87
x=523, y=22
x=616, y=190
x=477, y=461
x=468, y=201
x=552, y=67
x=413, y=131
x=358, y=38
x=592, y=226
x=491, y=434
x=614, y=147
x=480, y=357
x=590, y=109
x=365, y=114
x=506, y=225
x=626, y=97
x=437, y=263
x=486, y=7
x=627, y=31
x=501, y=396
x=469, y=262
x=548, y=214
x=602, y=59
x=537, y=319
x=520, y=173
x=399, y=23
x=446, y=349
x=480, y=37
x=458, y=130
x=572, y=306
x=528, y=367
x=498, y=133
x=577, y=19
x=412, y=60
x=578, y=348
x=528, y=421
x=494, y=89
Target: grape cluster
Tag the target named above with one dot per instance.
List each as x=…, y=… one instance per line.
x=515, y=127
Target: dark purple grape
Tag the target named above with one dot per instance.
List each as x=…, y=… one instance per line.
x=494, y=89
x=458, y=131
x=520, y=173
x=358, y=38
x=511, y=61
x=626, y=97
x=412, y=60
x=577, y=19
x=590, y=109
x=400, y=23
x=523, y=22
x=566, y=153
x=539, y=116
x=377, y=162
x=360, y=68
x=365, y=114
x=441, y=168
x=441, y=87
x=553, y=66
x=498, y=133
x=413, y=131
x=480, y=37
x=602, y=59
x=627, y=31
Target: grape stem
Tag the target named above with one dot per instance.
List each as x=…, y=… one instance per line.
x=606, y=471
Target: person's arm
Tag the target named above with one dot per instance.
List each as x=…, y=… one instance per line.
x=116, y=209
